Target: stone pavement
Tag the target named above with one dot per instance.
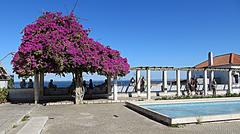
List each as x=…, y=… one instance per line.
x=33, y=126
x=11, y=114
x=117, y=119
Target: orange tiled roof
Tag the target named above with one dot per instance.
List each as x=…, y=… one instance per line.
x=221, y=60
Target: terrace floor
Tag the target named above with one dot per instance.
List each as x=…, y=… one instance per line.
x=116, y=119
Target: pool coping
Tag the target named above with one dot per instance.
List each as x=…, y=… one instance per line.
x=136, y=106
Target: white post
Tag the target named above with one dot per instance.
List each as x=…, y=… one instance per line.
x=211, y=73
x=115, y=89
x=164, y=81
x=148, y=84
x=211, y=77
x=178, y=82
x=36, y=88
x=205, y=83
x=230, y=81
x=189, y=75
x=138, y=82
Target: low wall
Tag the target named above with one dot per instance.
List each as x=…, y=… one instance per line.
x=27, y=95
x=157, y=87
x=24, y=95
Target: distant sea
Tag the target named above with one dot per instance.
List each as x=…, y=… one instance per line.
x=68, y=83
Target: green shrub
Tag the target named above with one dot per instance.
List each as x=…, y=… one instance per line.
x=164, y=98
x=235, y=95
x=25, y=118
x=3, y=95
x=10, y=83
x=228, y=95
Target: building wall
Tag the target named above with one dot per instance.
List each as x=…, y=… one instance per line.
x=3, y=84
x=221, y=77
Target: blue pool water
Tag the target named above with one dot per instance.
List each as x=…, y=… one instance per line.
x=196, y=109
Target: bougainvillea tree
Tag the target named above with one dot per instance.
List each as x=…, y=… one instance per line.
x=55, y=43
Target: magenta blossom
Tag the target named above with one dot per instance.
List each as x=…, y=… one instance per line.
x=59, y=44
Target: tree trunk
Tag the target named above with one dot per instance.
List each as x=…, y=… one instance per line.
x=79, y=88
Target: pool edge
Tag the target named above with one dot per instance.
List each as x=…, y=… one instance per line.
x=182, y=120
x=149, y=113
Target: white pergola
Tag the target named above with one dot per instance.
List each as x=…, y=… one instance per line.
x=178, y=72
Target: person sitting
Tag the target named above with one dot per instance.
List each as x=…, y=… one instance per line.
x=23, y=83
x=90, y=86
x=191, y=86
x=51, y=85
x=132, y=82
x=30, y=83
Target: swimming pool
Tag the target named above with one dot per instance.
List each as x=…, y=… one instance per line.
x=190, y=111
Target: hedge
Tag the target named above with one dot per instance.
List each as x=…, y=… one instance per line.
x=3, y=95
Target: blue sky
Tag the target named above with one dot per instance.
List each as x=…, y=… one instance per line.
x=148, y=32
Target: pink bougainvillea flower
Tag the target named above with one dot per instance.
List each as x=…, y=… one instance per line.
x=59, y=44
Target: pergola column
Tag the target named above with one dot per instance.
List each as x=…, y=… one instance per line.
x=36, y=88
x=148, y=84
x=211, y=77
x=189, y=75
x=138, y=82
x=164, y=77
x=230, y=81
x=178, y=82
x=115, y=89
x=211, y=73
x=205, y=79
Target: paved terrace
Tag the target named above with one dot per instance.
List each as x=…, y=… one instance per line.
x=116, y=119
x=11, y=114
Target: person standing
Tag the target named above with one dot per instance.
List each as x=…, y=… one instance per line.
x=214, y=87
x=142, y=86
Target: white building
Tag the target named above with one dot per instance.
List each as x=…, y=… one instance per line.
x=4, y=77
x=230, y=60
